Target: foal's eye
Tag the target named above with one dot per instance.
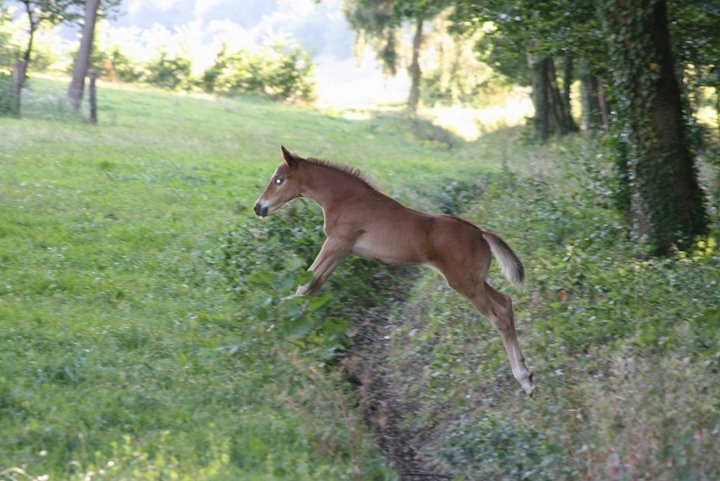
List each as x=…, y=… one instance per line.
x=279, y=181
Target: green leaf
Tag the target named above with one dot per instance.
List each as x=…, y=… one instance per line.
x=317, y=302
x=334, y=327
x=301, y=327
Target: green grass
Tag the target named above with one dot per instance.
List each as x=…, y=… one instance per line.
x=626, y=350
x=125, y=354
x=116, y=329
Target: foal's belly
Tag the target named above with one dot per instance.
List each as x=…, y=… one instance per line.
x=388, y=248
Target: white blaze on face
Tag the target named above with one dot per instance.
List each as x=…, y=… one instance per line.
x=262, y=206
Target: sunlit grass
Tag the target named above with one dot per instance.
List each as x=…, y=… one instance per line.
x=471, y=123
x=117, y=338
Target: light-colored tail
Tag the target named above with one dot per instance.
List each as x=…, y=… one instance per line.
x=510, y=264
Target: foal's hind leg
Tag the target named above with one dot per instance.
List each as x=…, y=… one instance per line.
x=504, y=322
x=497, y=307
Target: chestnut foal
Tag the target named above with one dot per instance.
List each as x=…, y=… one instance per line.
x=363, y=221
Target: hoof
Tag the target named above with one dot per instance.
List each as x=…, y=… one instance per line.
x=531, y=392
x=527, y=385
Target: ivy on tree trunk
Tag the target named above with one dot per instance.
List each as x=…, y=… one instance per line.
x=667, y=205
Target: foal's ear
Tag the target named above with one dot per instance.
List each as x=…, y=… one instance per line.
x=290, y=159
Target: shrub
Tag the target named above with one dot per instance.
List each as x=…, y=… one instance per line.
x=8, y=102
x=115, y=66
x=169, y=73
x=264, y=261
x=625, y=348
x=279, y=72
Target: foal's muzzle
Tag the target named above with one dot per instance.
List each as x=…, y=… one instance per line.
x=260, y=211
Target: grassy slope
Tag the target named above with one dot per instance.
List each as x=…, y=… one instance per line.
x=114, y=326
x=118, y=338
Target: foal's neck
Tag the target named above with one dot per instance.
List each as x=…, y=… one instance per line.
x=326, y=184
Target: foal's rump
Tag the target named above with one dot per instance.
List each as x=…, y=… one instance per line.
x=461, y=251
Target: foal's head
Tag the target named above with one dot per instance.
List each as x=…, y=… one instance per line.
x=284, y=186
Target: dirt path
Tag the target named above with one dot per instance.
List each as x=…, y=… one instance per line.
x=366, y=368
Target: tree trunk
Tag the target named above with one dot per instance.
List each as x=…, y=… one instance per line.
x=604, y=102
x=33, y=25
x=82, y=61
x=568, y=64
x=552, y=113
x=668, y=203
x=414, y=69
x=555, y=101
x=92, y=98
x=541, y=100
x=591, y=95
x=17, y=85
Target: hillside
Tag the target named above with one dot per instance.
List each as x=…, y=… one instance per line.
x=140, y=303
x=119, y=334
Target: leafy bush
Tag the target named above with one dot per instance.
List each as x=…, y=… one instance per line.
x=114, y=65
x=265, y=260
x=169, y=73
x=8, y=54
x=280, y=72
x=626, y=349
x=8, y=102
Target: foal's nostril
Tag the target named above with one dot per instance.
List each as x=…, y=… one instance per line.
x=260, y=211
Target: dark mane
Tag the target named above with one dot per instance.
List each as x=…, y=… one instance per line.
x=344, y=168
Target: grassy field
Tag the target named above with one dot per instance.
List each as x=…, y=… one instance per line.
x=116, y=330
x=124, y=354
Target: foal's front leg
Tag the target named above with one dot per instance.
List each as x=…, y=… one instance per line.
x=334, y=250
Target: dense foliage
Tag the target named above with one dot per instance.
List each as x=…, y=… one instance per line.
x=7, y=98
x=656, y=162
x=280, y=72
x=626, y=351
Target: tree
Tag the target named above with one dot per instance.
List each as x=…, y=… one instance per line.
x=48, y=13
x=45, y=12
x=667, y=203
x=82, y=60
x=380, y=22
x=38, y=13
x=524, y=41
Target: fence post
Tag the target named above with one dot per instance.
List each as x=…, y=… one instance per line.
x=18, y=81
x=92, y=98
